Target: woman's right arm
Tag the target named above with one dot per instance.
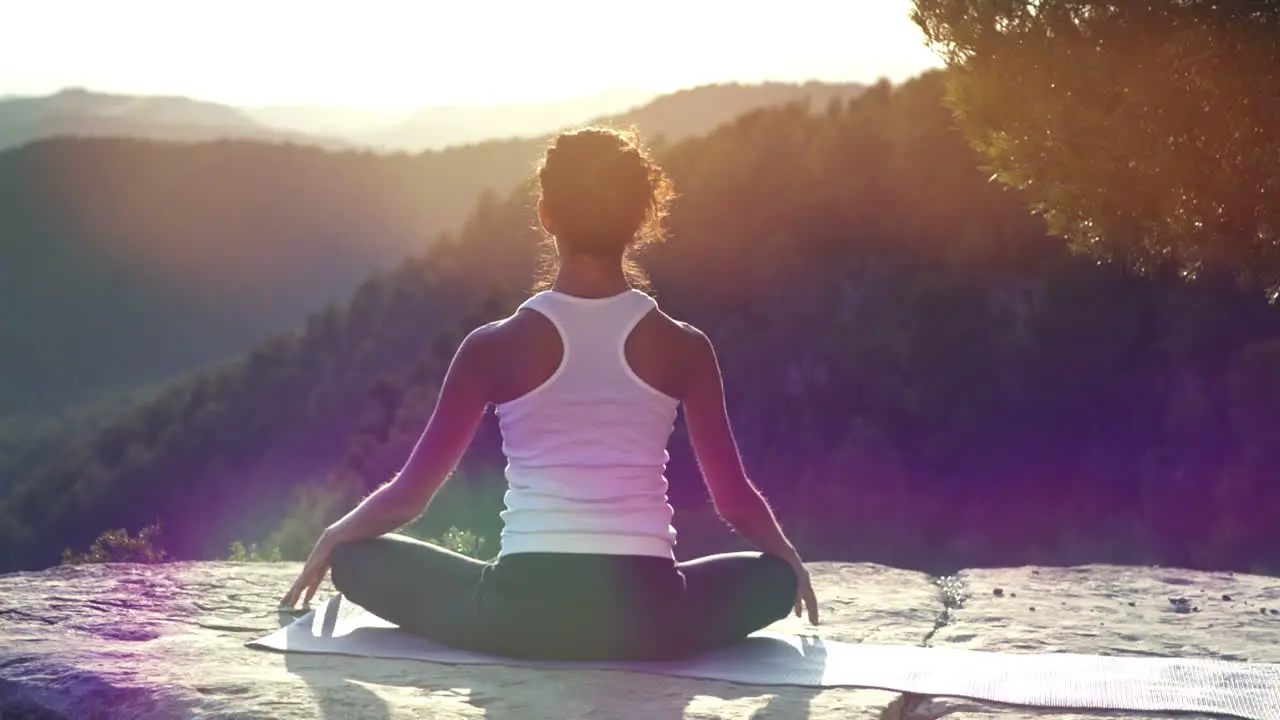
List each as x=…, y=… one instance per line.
x=736, y=499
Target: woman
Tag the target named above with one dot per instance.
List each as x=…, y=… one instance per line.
x=585, y=379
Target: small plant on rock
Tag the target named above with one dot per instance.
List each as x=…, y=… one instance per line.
x=116, y=546
x=252, y=554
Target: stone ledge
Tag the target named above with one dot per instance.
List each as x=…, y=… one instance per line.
x=167, y=641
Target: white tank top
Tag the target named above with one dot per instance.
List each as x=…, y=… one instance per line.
x=587, y=450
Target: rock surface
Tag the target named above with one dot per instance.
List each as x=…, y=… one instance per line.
x=167, y=641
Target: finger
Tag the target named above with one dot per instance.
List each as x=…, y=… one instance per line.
x=797, y=603
x=295, y=593
x=290, y=597
x=313, y=586
x=812, y=602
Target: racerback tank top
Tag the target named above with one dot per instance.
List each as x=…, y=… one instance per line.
x=587, y=450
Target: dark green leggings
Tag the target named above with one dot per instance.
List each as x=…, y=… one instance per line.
x=565, y=606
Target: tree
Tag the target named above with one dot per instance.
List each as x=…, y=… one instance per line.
x=1146, y=132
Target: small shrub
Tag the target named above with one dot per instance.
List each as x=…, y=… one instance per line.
x=463, y=542
x=115, y=546
x=252, y=554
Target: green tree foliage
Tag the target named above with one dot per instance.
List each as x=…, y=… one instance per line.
x=116, y=546
x=314, y=507
x=239, y=553
x=463, y=542
x=126, y=262
x=27, y=442
x=317, y=505
x=1146, y=132
x=917, y=371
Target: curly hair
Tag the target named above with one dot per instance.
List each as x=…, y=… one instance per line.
x=604, y=195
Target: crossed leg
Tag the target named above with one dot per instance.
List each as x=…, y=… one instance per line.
x=442, y=595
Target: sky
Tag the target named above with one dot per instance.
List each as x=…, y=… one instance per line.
x=418, y=53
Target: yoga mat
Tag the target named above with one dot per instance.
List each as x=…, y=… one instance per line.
x=1049, y=680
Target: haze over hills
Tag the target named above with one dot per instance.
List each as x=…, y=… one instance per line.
x=440, y=127
x=80, y=112
x=349, y=123
x=131, y=261
x=83, y=113
x=689, y=113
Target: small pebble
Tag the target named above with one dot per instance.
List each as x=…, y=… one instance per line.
x=1013, y=595
x=1133, y=604
x=1033, y=609
x=1275, y=611
x=998, y=592
x=1226, y=598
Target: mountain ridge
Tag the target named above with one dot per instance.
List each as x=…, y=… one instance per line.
x=78, y=112
x=173, y=118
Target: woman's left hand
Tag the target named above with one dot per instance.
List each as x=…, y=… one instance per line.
x=312, y=575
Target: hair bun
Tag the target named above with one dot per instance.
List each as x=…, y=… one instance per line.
x=602, y=190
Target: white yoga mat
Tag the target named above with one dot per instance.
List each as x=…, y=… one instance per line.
x=1051, y=680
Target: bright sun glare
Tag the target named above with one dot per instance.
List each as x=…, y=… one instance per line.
x=398, y=53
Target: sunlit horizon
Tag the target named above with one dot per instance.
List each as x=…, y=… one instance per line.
x=396, y=55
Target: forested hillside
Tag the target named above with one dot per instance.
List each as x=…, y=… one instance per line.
x=918, y=374
x=127, y=261
x=124, y=261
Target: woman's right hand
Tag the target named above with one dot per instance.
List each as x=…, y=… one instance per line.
x=804, y=593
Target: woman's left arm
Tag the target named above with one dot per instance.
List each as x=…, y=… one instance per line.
x=458, y=412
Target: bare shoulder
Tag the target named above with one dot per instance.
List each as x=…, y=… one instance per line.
x=693, y=338
x=496, y=340
x=517, y=353
x=486, y=335
x=479, y=345
x=691, y=345
x=508, y=330
x=700, y=383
